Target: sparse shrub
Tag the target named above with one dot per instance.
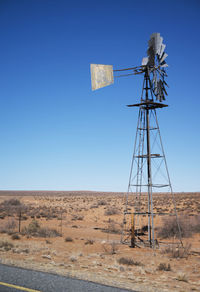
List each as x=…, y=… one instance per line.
x=8, y=227
x=12, y=206
x=112, y=228
x=25, y=250
x=188, y=226
x=89, y=241
x=195, y=224
x=74, y=226
x=68, y=239
x=2, y=230
x=182, y=277
x=102, y=203
x=128, y=262
x=34, y=229
x=164, y=267
x=178, y=251
x=114, y=247
x=94, y=206
x=47, y=232
x=15, y=237
x=111, y=211
x=77, y=217
x=73, y=259
x=111, y=248
x=11, y=224
x=12, y=202
x=6, y=245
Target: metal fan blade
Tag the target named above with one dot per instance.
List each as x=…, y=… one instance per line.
x=101, y=75
x=162, y=48
x=165, y=83
x=164, y=64
x=163, y=72
x=163, y=88
x=164, y=56
x=151, y=55
x=160, y=97
x=161, y=91
x=154, y=78
x=157, y=44
x=163, y=97
x=150, y=42
x=145, y=61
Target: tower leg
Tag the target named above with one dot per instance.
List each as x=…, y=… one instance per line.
x=132, y=230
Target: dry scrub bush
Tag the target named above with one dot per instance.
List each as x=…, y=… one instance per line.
x=164, y=267
x=12, y=206
x=102, y=203
x=77, y=217
x=114, y=247
x=182, y=277
x=8, y=227
x=6, y=245
x=94, y=206
x=11, y=202
x=178, y=251
x=111, y=211
x=112, y=228
x=188, y=226
x=15, y=237
x=34, y=229
x=111, y=248
x=68, y=239
x=128, y=262
x=195, y=223
x=89, y=241
x=73, y=259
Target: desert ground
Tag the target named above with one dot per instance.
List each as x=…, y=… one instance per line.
x=78, y=234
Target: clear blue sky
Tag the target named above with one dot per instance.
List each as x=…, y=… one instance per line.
x=55, y=133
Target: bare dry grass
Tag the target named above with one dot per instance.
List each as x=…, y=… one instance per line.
x=90, y=224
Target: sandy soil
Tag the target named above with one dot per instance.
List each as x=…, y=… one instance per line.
x=89, y=246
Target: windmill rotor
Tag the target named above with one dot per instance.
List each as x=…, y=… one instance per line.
x=156, y=63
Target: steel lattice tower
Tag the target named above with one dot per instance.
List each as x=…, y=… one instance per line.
x=149, y=172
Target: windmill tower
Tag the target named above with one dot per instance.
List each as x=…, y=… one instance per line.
x=149, y=173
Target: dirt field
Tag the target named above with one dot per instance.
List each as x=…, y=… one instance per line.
x=78, y=234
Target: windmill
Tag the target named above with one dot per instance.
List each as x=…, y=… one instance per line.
x=149, y=173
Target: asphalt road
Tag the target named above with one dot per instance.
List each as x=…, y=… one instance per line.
x=13, y=279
